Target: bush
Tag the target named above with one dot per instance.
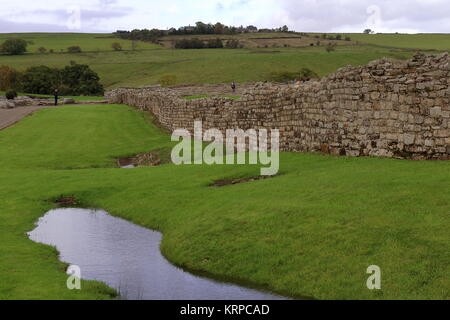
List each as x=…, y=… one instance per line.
x=9, y=78
x=41, y=50
x=79, y=79
x=76, y=79
x=41, y=80
x=11, y=94
x=74, y=49
x=304, y=74
x=168, y=80
x=190, y=44
x=14, y=46
x=234, y=44
x=330, y=47
x=215, y=44
x=116, y=46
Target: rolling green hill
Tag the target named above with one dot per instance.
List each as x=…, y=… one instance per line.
x=61, y=41
x=149, y=62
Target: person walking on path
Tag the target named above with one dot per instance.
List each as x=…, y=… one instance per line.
x=56, y=96
x=233, y=87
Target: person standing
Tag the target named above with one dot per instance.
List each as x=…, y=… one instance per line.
x=233, y=87
x=56, y=96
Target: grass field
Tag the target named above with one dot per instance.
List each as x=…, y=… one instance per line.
x=146, y=65
x=406, y=41
x=61, y=41
x=207, y=65
x=312, y=231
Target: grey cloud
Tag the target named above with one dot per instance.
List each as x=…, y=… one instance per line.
x=326, y=15
x=10, y=27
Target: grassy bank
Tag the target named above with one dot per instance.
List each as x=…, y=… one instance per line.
x=59, y=42
x=207, y=65
x=312, y=231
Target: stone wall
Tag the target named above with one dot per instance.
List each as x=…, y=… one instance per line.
x=387, y=108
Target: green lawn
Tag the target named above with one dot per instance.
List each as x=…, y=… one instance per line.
x=61, y=41
x=312, y=231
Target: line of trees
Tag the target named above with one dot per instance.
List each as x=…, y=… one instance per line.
x=196, y=43
x=75, y=79
x=200, y=28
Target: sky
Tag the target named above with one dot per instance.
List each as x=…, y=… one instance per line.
x=404, y=16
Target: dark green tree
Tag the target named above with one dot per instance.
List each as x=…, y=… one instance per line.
x=14, y=46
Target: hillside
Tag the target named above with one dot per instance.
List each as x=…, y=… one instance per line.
x=262, y=54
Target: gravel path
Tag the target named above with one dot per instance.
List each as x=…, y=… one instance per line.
x=8, y=117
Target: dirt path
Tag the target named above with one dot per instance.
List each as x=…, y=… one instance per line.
x=8, y=117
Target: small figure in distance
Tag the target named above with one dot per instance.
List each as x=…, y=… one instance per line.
x=233, y=87
x=56, y=96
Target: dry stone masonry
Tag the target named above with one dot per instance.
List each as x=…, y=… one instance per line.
x=387, y=108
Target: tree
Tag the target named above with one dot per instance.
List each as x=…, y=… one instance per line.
x=368, y=31
x=79, y=79
x=9, y=78
x=41, y=50
x=116, y=46
x=284, y=29
x=14, y=46
x=41, y=80
x=74, y=49
x=76, y=79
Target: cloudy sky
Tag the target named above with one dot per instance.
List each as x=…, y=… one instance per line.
x=409, y=16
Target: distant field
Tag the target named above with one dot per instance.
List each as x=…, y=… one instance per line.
x=206, y=65
x=146, y=65
x=263, y=40
x=407, y=41
x=61, y=41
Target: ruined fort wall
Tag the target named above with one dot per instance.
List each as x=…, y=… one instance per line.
x=387, y=108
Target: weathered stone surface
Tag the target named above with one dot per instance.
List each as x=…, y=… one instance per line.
x=7, y=104
x=68, y=101
x=385, y=109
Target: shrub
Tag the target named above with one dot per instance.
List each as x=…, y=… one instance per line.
x=74, y=49
x=284, y=76
x=14, y=46
x=215, y=43
x=330, y=47
x=116, y=46
x=168, y=80
x=79, y=79
x=41, y=80
x=191, y=44
x=9, y=78
x=11, y=94
x=76, y=79
x=233, y=44
x=41, y=50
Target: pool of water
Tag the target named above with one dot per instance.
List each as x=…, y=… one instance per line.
x=127, y=258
